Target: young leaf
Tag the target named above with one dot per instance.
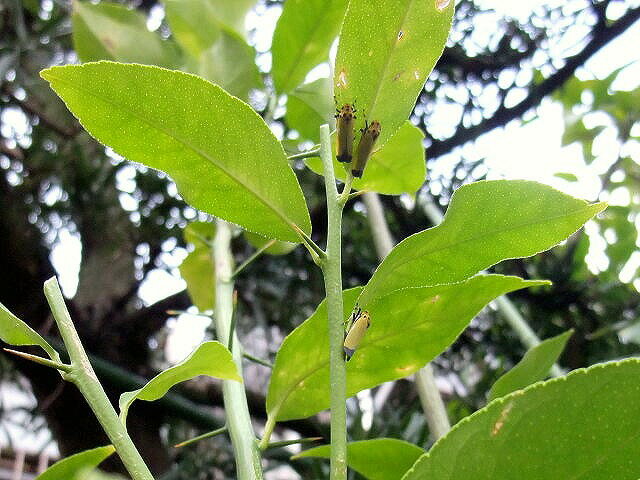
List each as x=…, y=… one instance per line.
x=210, y=358
x=486, y=222
x=76, y=466
x=583, y=426
x=408, y=329
x=15, y=332
x=309, y=106
x=220, y=153
x=198, y=269
x=112, y=32
x=197, y=24
x=398, y=167
x=376, y=459
x=386, y=52
x=534, y=366
x=302, y=39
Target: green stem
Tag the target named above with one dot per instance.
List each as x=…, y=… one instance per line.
x=331, y=268
x=83, y=376
x=248, y=465
x=511, y=314
x=213, y=433
x=257, y=360
x=308, y=154
x=434, y=409
x=252, y=257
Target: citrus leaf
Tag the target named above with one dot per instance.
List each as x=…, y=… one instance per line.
x=408, y=329
x=198, y=269
x=308, y=107
x=534, y=366
x=398, y=167
x=583, y=426
x=486, y=222
x=222, y=156
x=15, y=332
x=112, y=32
x=277, y=248
x=302, y=39
x=386, y=52
x=376, y=459
x=76, y=466
x=210, y=358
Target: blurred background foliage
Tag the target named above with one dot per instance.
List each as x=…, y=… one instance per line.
x=61, y=192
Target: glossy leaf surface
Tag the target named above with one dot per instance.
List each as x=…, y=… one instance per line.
x=302, y=39
x=534, y=366
x=408, y=329
x=194, y=131
x=377, y=459
x=583, y=426
x=386, y=52
x=210, y=358
x=76, y=466
x=486, y=222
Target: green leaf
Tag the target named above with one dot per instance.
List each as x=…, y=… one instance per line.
x=302, y=39
x=112, y=32
x=15, y=332
x=222, y=156
x=569, y=177
x=408, y=329
x=278, y=248
x=486, y=222
x=198, y=269
x=197, y=24
x=76, y=466
x=534, y=366
x=398, y=167
x=308, y=107
x=377, y=459
x=230, y=63
x=386, y=52
x=583, y=427
x=210, y=358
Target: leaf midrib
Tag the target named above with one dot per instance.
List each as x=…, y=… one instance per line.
x=477, y=237
x=173, y=136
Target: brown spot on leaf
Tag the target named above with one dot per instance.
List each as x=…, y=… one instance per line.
x=501, y=420
x=342, y=79
x=442, y=4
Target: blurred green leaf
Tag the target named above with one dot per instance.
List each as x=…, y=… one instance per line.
x=583, y=426
x=222, y=156
x=569, y=177
x=76, y=466
x=198, y=269
x=408, y=329
x=486, y=222
x=197, y=24
x=376, y=459
x=230, y=63
x=309, y=106
x=15, y=332
x=107, y=31
x=386, y=52
x=210, y=358
x=302, y=39
x=398, y=167
x=534, y=366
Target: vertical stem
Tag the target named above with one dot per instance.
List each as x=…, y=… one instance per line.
x=248, y=465
x=83, y=376
x=430, y=399
x=511, y=314
x=332, y=270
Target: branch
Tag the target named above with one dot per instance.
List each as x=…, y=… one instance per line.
x=504, y=115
